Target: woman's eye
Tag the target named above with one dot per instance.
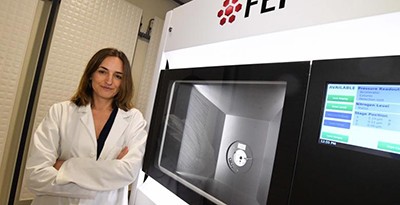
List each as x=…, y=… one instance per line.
x=119, y=77
x=101, y=71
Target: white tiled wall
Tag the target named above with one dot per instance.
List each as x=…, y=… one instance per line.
x=16, y=21
x=82, y=28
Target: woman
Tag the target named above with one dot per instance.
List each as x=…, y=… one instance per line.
x=89, y=149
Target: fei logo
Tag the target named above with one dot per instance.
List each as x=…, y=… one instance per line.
x=227, y=11
x=232, y=7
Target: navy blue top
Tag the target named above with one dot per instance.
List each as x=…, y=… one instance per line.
x=105, y=131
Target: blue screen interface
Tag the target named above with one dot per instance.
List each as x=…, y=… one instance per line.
x=362, y=116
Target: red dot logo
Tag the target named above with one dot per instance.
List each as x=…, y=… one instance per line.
x=227, y=13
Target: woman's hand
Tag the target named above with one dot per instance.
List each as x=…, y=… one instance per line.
x=123, y=152
x=58, y=164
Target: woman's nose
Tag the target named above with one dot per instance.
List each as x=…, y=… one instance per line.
x=109, y=79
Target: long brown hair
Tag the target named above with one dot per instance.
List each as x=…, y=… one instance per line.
x=123, y=99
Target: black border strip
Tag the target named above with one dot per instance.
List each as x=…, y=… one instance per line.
x=32, y=97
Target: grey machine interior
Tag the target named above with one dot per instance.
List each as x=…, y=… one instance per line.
x=220, y=138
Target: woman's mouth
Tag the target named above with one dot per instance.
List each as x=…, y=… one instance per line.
x=107, y=87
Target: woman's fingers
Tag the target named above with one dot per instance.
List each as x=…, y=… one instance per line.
x=58, y=164
x=123, y=152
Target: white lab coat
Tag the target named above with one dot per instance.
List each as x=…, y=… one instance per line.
x=67, y=133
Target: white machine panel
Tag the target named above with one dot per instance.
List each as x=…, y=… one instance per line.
x=199, y=22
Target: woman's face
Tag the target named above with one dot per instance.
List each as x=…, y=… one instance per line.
x=107, y=79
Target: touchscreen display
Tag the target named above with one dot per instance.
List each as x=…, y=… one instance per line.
x=362, y=117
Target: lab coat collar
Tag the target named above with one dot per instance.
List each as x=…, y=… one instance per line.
x=120, y=124
x=86, y=118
